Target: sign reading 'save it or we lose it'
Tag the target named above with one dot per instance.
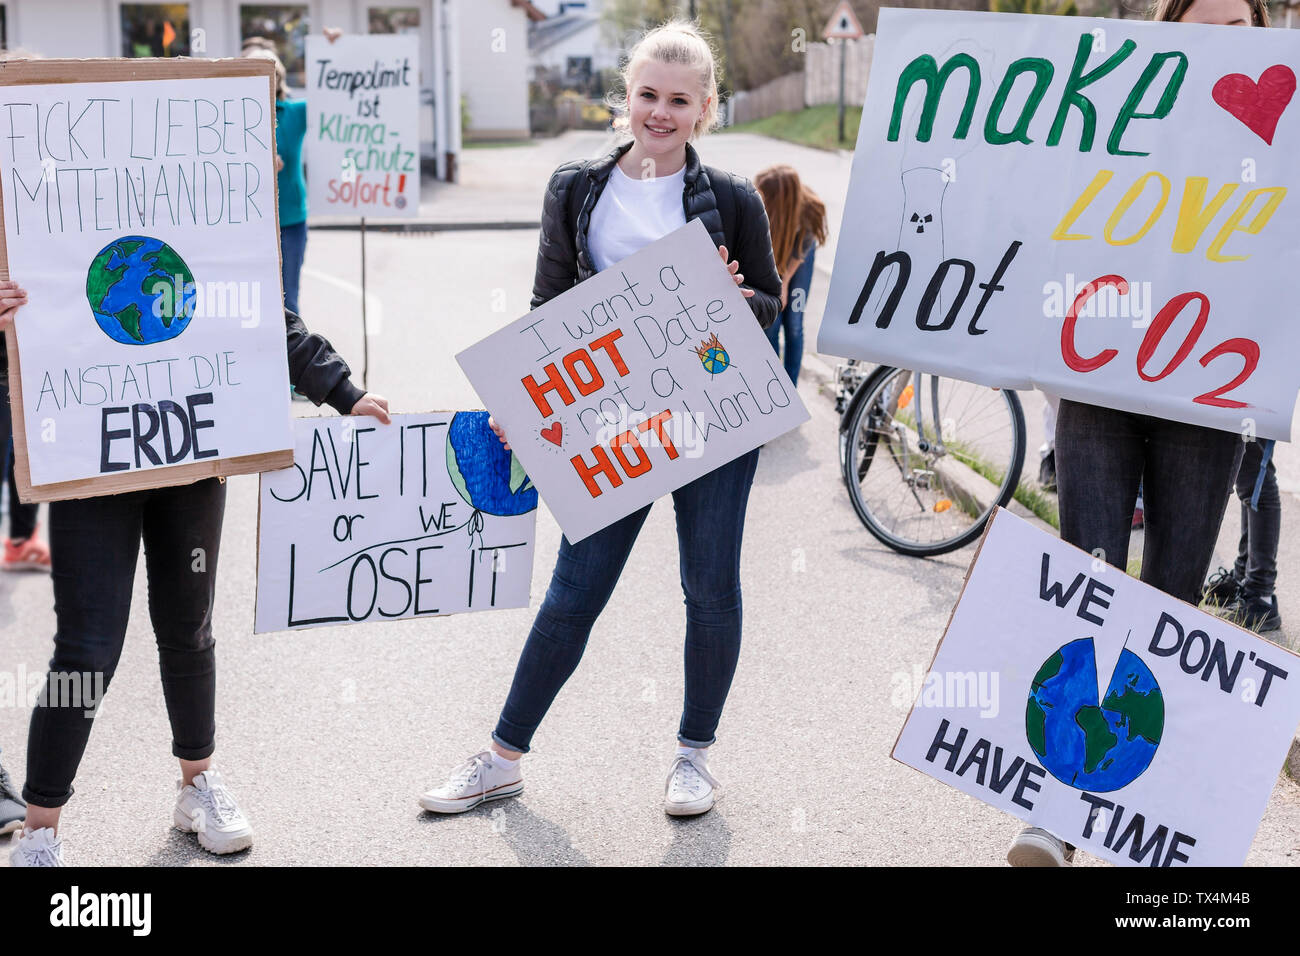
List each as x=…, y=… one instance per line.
x=635, y=382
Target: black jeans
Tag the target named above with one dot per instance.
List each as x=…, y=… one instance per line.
x=94, y=544
x=710, y=520
x=1103, y=455
x=1261, y=530
x=22, y=518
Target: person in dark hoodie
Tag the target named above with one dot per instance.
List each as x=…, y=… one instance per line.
x=95, y=542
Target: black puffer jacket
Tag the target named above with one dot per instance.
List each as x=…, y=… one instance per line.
x=564, y=256
x=316, y=370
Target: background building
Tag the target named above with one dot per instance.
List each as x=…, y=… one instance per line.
x=457, y=41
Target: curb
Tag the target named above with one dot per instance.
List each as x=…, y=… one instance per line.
x=426, y=225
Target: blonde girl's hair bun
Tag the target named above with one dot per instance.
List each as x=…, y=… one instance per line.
x=679, y=42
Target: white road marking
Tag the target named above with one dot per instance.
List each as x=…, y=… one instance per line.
x=374, y=308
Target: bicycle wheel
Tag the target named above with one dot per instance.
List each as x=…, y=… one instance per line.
x=927, y=459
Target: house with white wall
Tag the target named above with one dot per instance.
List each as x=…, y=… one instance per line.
x=572, y=42
x=457, y=55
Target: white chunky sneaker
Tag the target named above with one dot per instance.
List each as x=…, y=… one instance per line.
x=1034, y=846
x=476, y=781
x=690, y=789
x=37, y=848
x=208, y=809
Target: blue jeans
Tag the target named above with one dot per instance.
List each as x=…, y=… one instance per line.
x=1185, y=471
x=791, y=318
x=710, y=518
x=293, y=249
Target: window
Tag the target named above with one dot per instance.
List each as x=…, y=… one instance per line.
x=394, y=19
x=155, y=29
x=577, y=69
x=284, y=24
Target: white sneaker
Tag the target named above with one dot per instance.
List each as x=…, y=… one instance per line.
x=475, y=781
x=690, y=789
x=37, y=848
x=1034, y=846
x=208, y=809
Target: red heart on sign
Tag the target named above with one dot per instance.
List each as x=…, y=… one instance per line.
x=554, y=434
x=1258, y=105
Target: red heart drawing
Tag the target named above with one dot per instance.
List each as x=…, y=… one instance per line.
x=554, y=434
x=1258, y=105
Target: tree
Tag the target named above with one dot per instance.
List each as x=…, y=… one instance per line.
x=1064, y=8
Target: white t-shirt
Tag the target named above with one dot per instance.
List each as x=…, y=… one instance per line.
x=632, y=213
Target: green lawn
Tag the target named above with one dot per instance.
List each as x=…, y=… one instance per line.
x=814, y=126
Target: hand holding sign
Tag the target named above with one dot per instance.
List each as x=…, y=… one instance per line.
x=374, y=405
x=12, y=298
x=733, y=267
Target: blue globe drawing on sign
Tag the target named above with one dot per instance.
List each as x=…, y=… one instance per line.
x=1089, y=744
x=487, y=476
x=140, y=291
x=716, y=360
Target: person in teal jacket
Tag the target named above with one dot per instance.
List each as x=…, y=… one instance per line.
x=290, y=132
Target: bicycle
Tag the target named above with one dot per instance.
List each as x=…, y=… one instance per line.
x=940, y=471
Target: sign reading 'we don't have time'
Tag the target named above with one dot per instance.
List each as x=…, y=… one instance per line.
x=1098, y=208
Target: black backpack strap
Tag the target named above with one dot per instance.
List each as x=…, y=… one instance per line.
x=724, y=194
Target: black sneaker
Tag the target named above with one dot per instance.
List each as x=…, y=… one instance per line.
x=1256, y=614
x=1222, y=588
x=13, y=809
x=1047, y=471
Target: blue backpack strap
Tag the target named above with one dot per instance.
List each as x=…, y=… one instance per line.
x=1266, y=456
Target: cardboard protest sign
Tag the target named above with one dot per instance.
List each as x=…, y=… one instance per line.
x=140, y=214
x=634, y=383
x=363, y=128
x=1093, y=207
x=1083, y=701
x=429, y=515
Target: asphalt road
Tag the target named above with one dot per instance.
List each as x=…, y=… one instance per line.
x=327, y=736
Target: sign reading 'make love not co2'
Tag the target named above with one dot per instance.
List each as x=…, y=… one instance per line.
x=1095, y=207
x=635, y=382
x=363, y=129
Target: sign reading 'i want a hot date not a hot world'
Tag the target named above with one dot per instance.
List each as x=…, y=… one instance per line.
x=1098, y=208
x=634, y=383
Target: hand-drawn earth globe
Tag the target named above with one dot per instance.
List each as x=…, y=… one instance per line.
x=715, y=360
x=140, y=290
x=487, y=476
x=1089, y=744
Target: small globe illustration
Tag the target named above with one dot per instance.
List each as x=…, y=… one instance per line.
x=716, y=360
x=487, y=476
x=1088, y=744
x=140, y=291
